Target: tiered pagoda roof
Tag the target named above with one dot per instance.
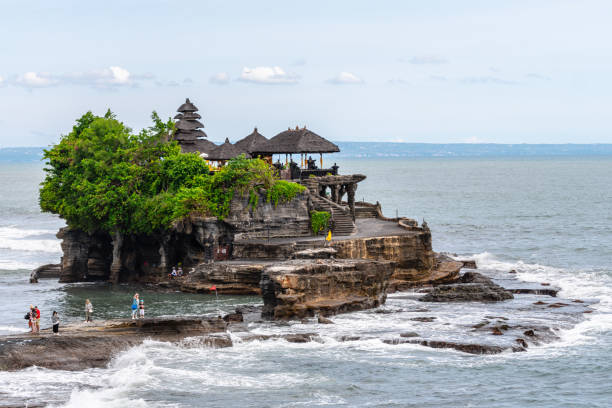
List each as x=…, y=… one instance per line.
x=188, y=129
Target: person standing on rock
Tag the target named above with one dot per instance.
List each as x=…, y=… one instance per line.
x=88, y=310
x=135, y=303
x=30, y=318
x=141, y=308
x=55, y=320
x=37, y=318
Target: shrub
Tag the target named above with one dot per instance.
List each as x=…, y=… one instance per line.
x=319, y=221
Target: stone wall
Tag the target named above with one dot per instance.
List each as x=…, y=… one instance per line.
x=291, y=219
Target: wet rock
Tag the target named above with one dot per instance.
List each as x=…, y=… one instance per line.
x=349, y=338
x=535, y=291
x=386, y=311
x=496, y=331
x=512, y=271
x=324, y=320
x=84, y=346
x=545, y=284
x=481, y=324
x=557, y=305
x=539, y=302
x=522, y=343
x=49, y=271
x=428, y=319
x=233, y=317
x=409, y=334
x=529, y=333
x=464, y=347
x=578, y=301
x=471, y=287
x=469, y=263
x=300, y=337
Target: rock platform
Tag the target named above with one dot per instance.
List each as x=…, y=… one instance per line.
x=86, y=345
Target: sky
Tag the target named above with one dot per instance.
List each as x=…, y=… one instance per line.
x=399, y=71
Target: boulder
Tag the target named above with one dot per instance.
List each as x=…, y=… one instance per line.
x=303, y=288
x=472, y=287
x=46, y=272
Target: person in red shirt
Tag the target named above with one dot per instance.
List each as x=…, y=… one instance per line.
x=37, y=318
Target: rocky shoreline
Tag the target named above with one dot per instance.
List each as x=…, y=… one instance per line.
x=496, y=321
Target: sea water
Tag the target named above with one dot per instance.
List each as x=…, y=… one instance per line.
x=549, y=219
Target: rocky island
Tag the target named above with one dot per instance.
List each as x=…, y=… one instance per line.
x=292, y=233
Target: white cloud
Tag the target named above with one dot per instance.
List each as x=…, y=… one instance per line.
x=118, y=75
x=267, y=75
x=424, y=60
x=35, y=80
x=113, y=76
x=222, y=78
x=1, y=80
x=345, y=78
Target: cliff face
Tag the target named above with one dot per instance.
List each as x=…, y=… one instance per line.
x=411, y=255
x=302, y=288
x=88, y=257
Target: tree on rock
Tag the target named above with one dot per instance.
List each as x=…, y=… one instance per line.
x=99, y=177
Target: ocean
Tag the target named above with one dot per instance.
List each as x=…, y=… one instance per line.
x=550, y=219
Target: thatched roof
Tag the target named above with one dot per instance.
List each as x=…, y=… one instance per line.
x=226, y=151
x=191, y=115
x=199, y=133
x=297, y=141
x=200, y=146
x=187, y=107
x=250, y=143
x=190, y=124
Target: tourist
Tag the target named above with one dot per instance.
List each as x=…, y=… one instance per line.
x=173, y=273
x=88, y=310
x=135, y=306
x=179, y=272
x=55, y=320
x=28, y=317
x=328, y=238
x=141, y=308
x=37, y=318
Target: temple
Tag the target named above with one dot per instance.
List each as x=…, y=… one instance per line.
x=325, y=184
x=278, y=249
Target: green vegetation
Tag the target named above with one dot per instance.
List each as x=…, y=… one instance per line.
x=283, y=191
x=319, y=221
x=102, y=176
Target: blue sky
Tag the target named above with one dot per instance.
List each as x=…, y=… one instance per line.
x=426, y=71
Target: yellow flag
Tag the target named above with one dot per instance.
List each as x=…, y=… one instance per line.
x=328, y=238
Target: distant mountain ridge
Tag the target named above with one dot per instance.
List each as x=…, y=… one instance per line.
x=386, y=149
x=394, y=150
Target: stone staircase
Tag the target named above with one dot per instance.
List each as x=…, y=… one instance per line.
x=341, y=218
x=365, y=212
